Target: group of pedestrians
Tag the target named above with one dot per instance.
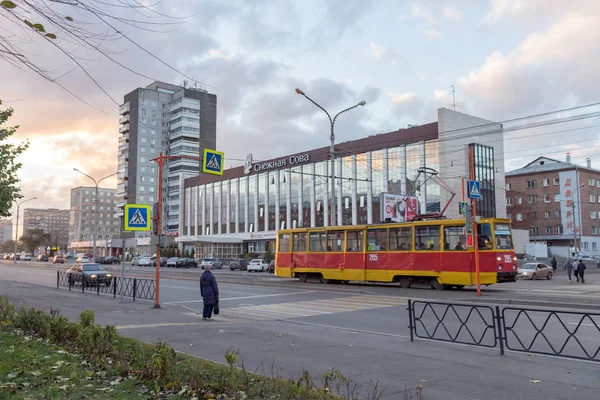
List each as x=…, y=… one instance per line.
x=575, y=267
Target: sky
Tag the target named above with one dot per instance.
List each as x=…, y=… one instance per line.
x=506, y=59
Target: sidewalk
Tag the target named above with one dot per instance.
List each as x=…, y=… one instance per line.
x=447, y=371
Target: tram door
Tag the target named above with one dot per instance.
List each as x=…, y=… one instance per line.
x=377, y=255
x=354, y=256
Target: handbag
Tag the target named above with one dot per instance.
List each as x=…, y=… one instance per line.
x=216, y=309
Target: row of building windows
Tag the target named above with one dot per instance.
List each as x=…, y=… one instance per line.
x=533, y=183
x=549, y=230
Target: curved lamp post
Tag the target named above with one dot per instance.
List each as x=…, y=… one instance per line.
x=17, y=227
x=96, y=183
x=331, y=146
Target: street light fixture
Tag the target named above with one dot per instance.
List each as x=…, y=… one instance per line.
x=331, y=145
x=96, y=183
x=17, y=227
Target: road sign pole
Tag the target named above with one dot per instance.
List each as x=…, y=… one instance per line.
x=158, y=217
x=474, y=214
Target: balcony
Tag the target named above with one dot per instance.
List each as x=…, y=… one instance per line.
x=124, y=109
x=124, y=128
x=124, y=119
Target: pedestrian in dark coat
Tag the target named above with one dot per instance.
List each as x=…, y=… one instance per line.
x=580, y=271
x=569, y=268
x=553, y=263
x=209, y=291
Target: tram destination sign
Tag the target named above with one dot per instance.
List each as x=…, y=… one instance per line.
x=251, y=166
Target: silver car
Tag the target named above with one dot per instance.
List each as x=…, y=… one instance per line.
x=535, y=271
x=216, y=264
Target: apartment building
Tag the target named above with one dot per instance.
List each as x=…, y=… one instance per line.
x=6, y=230
x=53, y=221
x=558, y=202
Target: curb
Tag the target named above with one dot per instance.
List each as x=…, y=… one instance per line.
x=536, y=303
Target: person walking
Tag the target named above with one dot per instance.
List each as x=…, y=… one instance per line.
x=553, y=262
x=580, y=271
x=569, y=268
x=209, y=291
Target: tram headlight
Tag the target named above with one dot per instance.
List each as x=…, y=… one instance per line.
x=498, y=258
x=499, y=267
x=515, y=258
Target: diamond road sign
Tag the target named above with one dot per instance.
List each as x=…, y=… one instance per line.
x=137, y=217
x=212, y=163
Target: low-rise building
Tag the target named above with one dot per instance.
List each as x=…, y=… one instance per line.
x=6, y=231
x=558, y=202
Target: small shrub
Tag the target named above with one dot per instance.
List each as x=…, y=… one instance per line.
x=232, y=356
x=95, y=342
x=160, y=364
x=63, y=331
x=86, y=318
x=33, y=321
x=7, y=310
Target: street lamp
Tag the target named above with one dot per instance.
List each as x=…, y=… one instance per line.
x=96, y=183
x=574, y=218
x=17, y=227
x=331, y=146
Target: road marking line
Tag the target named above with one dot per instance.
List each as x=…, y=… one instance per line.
x=157, y=325
x=258, y=296
x=345, y=329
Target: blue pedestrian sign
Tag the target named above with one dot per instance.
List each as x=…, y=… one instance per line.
x=462, y=207
x=212, y=163
x=136, y=217
x=474, y=189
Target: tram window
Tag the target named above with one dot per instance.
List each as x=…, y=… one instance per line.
x=335, y=241
x=284, y=243
x=400, y=239
x=354, y=241
x=484, y=236
x=299, y=242
x=377, y=239
x=318, y=241
x=427, y=238
x=454, y=238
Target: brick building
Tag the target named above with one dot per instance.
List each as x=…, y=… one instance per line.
x=558, y=202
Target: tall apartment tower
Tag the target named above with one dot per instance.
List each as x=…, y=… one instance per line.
x=6, y=230
x=177, y=120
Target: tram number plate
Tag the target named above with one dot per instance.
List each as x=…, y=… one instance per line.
x=507, y=258
x=373, y=257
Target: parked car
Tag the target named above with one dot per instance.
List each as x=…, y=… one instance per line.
x=258, y=264
x=135, y=261
x=216, y=264
x=145, y=262
x=6, y=256
x=15, y=257
x=186, y=263
x=42, y=257
x=272, y=266
x=58, y=259
x=27, y=257
x=534, y=271
x=172, y=262
x=84, y=260
x=238, y=263
x=89, y=274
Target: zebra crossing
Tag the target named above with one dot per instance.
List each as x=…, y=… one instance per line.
x=311, y=308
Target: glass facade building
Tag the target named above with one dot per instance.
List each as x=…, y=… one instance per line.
x=241, y=211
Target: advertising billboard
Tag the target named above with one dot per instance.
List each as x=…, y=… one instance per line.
x=397, y=208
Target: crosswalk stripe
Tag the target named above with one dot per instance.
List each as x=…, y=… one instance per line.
x=313, y=308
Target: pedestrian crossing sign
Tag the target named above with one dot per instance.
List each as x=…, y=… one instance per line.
x=136, y=217
x=212, y=163
x=474, y=189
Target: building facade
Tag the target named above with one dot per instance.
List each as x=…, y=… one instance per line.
x=174, y=120
x=558, y=202
x=86, y=213
x=6, y=231
x=53, y=221
x=240, y=211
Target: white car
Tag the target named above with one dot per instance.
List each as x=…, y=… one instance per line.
x=145, y=262
x=83, y=260
x=258, y=264
x=27, y=257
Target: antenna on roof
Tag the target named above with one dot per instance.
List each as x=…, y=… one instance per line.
x=453, y=99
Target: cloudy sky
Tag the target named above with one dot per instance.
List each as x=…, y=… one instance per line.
x=505, y=58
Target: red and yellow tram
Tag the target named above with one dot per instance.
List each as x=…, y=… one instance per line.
x=430, y=252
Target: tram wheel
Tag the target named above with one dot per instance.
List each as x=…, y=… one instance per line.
x=436, y=285
x=303, y=277
x=459, y=287
x=405, y=282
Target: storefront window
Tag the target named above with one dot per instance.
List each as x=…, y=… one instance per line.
x=284, y=185
x=432, y=188
x=233, y=210
x=307, y=190
x=243, y=199
x=252, y=203
x=273, y=194
x=379, y=183
x=216, y=208
x=395, y=161
x=263, y=181
x=321, y=190
x=347, y=184
x=362, y=183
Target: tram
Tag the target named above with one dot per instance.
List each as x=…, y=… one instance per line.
x=431, y=252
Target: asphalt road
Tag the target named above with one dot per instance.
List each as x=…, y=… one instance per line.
x=357, y=328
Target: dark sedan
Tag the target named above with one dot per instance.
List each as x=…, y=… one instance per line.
x=238, y=263
x=187, y=263
x=89, y=274
x=42, y=257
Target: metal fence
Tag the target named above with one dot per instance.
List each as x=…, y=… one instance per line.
x=132, y=287
x=567, y=334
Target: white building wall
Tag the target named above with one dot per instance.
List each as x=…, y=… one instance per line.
x=456, y=130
